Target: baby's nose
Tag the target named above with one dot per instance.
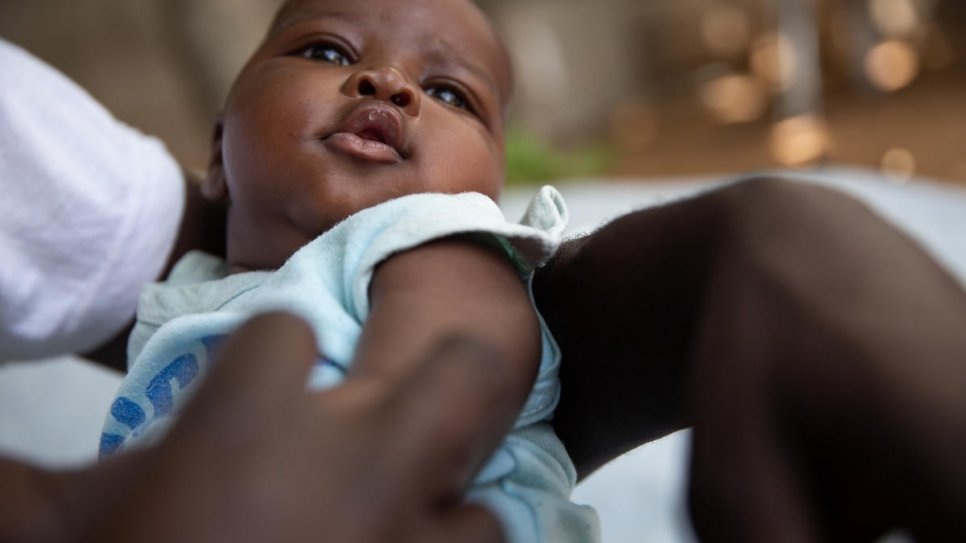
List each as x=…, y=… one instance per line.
x=387, y=84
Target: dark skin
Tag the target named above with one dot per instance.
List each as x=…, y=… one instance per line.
x=330, y=116
x=346, y=106
x=824, y=374
x=656, y=337
x=313, y=475
x=397, y=438
x=790, y=417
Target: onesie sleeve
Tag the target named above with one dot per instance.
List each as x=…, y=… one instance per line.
x=377, y=233
x=89, y=213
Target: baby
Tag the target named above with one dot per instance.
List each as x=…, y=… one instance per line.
x=361, y=150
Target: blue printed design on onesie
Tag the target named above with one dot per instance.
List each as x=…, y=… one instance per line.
x=134, y=412
x=182, y=370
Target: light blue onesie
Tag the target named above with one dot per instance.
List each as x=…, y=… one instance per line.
x=527, y=482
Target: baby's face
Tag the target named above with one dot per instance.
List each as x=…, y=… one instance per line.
x=350, y=103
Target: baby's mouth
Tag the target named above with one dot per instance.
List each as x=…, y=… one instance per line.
x=372, y=133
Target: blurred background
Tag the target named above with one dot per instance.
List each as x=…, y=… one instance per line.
x=625, y=88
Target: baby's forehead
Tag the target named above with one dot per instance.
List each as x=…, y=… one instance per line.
x=458, y=27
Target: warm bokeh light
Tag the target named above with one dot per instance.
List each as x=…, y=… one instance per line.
x=633, y=125
x=773, y=61
x=799, y=140
x=894, y=18
x=899, y=164
x=725, y=29
x=891, y=65
x=734, y=98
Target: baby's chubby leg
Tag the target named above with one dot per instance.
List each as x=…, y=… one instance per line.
x=798, y=332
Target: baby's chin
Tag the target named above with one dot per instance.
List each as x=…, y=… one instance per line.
x=250, y=256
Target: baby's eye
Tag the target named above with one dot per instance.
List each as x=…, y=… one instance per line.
x=449, y=96
x=326, y=52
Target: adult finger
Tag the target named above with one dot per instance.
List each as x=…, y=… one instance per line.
x=451, y=414
x=466, y=524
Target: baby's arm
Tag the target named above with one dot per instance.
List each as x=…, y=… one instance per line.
x=454, y=286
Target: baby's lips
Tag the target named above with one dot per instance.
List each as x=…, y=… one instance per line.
x=377, y=123
x=368, y=150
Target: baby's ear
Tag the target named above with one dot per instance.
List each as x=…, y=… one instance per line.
x=214, y=186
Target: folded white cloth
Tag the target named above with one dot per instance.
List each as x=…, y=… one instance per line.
x=89, y=212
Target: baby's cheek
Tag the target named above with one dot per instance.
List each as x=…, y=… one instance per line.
x=488, y=174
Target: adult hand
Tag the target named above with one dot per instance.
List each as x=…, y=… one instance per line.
x=257, y=457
